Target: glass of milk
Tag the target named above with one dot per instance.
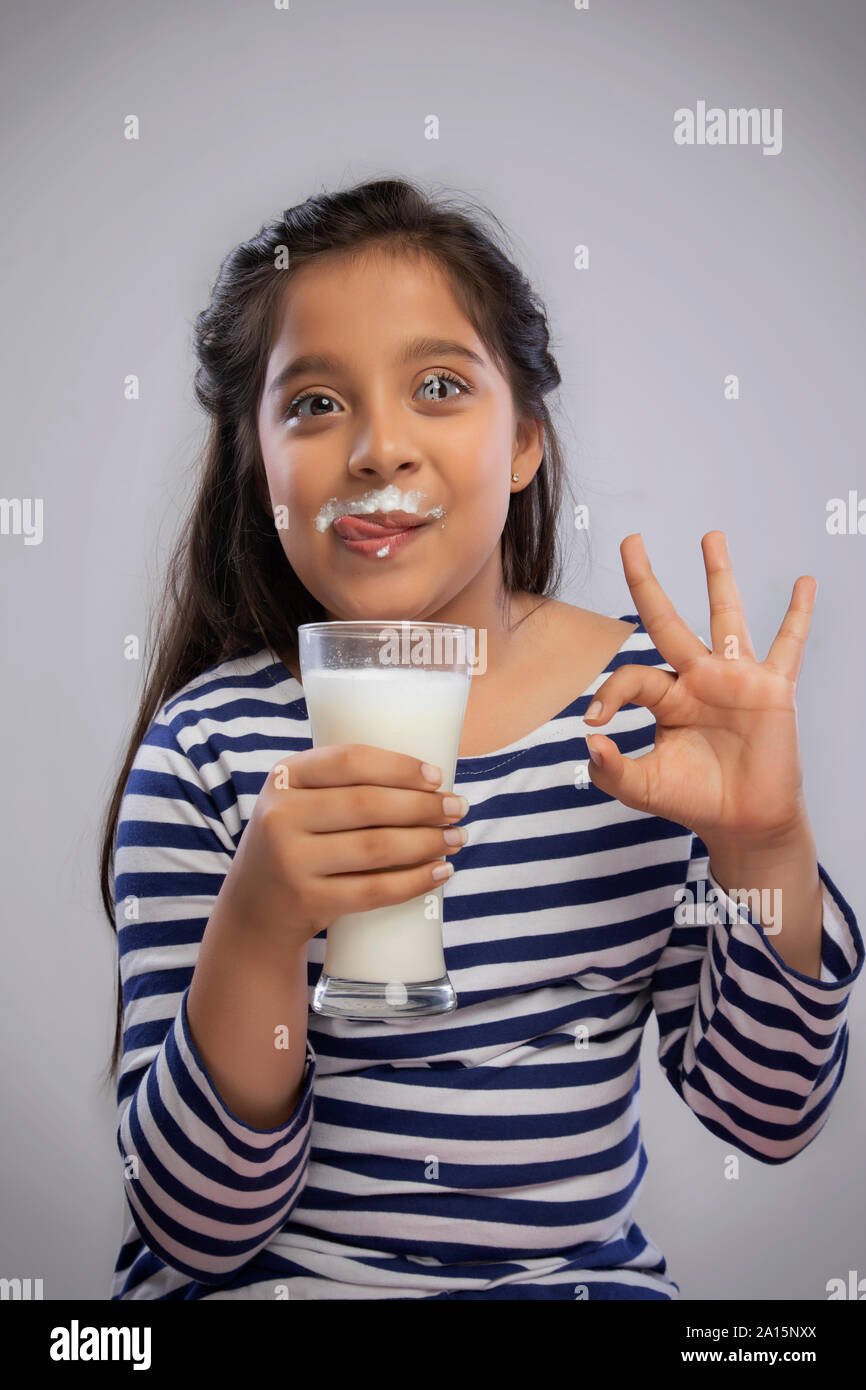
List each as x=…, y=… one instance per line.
x=403, y=686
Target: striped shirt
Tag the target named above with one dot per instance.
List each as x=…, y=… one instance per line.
x=493, y=1152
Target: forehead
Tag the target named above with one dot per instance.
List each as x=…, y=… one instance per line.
x=372, y=295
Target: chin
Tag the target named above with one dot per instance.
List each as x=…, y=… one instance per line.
x=389, y=599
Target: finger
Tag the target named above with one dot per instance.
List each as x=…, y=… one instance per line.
x=727, y=618
x=630, y=685
x=345, y=764
x=379, y=847
x=364, y=892
x=671, y=637
x=786, y=653
x=355, y=807
x=628, y=779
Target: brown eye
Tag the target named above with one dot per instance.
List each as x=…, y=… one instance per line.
x=316, y=397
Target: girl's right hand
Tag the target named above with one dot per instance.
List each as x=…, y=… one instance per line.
x=337, y=829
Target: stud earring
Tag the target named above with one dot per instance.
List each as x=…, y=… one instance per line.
x=515, y=477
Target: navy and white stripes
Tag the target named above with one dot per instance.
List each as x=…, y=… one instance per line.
x=493, y=1152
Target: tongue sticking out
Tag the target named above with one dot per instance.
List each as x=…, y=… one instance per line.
x=356, y=528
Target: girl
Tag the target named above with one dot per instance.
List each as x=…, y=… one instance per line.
x=374, y=358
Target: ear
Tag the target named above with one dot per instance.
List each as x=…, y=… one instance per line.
x=528, y=449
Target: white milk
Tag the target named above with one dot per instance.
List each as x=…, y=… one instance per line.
x=419, y=712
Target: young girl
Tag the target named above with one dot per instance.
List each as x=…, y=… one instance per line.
x=374, y=357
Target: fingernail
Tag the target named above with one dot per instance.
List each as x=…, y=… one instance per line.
x=433, y=774
x=443, y=871
x=595, y=756
x=455, y=835
x=455, y=805
x=594, y=710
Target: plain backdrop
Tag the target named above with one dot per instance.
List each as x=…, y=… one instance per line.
x=704, y=261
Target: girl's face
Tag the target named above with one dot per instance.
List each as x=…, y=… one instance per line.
x=433, y=424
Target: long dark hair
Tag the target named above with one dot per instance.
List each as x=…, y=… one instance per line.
x=229, y=588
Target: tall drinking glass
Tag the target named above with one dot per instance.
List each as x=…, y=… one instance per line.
x=401, y=686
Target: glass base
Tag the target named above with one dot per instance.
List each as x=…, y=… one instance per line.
x=380, y=999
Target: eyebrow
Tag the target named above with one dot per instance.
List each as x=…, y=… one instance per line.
x=411, y=351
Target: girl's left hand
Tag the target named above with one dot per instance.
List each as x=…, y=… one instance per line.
x=726, y=761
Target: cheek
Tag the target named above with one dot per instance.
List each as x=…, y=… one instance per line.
x=277, y=471
x=488, y=451
x=288, y=506
x=290, y=486
x=485, y=485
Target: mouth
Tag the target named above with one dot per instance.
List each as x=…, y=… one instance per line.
x=379, y=534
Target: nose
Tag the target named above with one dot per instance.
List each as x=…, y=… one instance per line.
x=384, y=445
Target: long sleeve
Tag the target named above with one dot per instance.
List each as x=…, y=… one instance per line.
x=206, y=1190
x=755, y=1049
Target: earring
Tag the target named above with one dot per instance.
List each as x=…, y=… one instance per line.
x=515, y=477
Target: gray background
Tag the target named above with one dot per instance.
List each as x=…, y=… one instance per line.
x=703, y=261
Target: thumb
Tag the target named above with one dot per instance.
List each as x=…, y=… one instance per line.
x=615, y=774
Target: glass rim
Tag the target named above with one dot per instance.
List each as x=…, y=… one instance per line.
x=373, y=627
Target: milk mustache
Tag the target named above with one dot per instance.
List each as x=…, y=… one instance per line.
x=418, y=712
